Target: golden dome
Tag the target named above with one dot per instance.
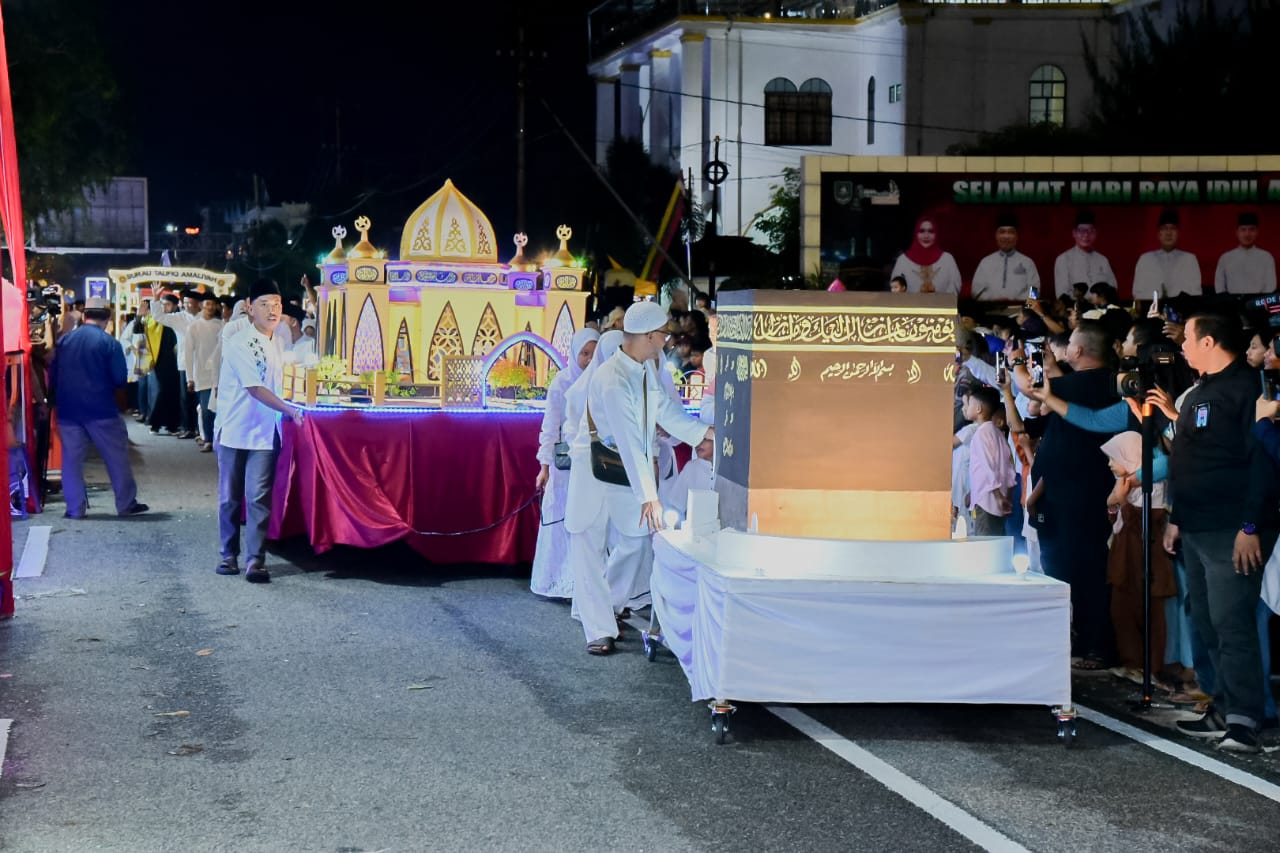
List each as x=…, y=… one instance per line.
x=448, y=227
x=564, y=257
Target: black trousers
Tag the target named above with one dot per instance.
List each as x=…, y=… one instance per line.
x=1074, y=551
x=190, y=400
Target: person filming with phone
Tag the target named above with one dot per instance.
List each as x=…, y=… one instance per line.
x=1071, y=514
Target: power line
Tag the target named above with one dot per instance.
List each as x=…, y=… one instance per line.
x=834, y=115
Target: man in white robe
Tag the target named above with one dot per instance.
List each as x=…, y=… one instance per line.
x=625, y=402
x=1168, y=270
x=1246, y=268
x=1082, y=264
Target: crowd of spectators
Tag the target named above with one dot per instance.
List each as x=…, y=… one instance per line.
x=1050, y=402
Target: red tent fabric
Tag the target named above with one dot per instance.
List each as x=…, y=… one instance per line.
x=11, y=221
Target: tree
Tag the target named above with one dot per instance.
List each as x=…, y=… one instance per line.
x=646, y=187
x=1186, y=86
x=64, y=102
x=780, y=221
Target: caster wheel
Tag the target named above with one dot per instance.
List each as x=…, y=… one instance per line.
x=1067, y=734
x=720, y=727
x=650, y=652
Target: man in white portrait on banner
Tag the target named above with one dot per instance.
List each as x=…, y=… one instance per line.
x=625, y=404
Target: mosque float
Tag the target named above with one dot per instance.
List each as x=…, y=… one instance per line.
x=446, y=324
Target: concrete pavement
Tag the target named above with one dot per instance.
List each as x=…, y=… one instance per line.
x=363, y=701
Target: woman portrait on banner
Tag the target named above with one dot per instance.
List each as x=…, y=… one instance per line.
x=551, y=576
x=925, y=266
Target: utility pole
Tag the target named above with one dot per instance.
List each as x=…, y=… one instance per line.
x=522, y=68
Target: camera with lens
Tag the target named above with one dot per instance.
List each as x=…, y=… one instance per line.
x=48, y=298
x=1139, y=376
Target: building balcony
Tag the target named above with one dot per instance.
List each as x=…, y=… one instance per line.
x=615, y=23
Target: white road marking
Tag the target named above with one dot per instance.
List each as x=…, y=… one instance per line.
x=34, y=553
x=986, y=837
x=4, y=741
x=1211, y=765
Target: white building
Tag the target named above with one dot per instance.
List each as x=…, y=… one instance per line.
x=778, y=80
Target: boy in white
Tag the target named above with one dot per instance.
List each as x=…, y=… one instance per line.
x=246, y=431
x=625, y=403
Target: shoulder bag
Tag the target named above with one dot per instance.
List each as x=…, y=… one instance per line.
x=606, y=462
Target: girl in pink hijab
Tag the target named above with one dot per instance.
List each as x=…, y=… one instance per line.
x=925, y=266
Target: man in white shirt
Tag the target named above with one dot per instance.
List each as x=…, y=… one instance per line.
x=246, y=432
x=1006, y=274
x=1246, y=268
x=1168, y=270
x=625, y=404
x=1081, y=263
x=202, y=354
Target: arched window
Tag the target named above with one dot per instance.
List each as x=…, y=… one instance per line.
x=1048, y=96
x=871, y=111
x=797, y=116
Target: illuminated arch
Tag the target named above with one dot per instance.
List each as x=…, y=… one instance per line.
x=488, y=332
x=404, y=350
x=445, y=340
x=492, y=358
x=366, y=350
x=562, y=332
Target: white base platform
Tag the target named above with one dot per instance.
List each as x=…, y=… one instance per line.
x=771, y=619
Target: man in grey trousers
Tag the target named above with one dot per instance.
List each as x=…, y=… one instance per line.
x=88, y=375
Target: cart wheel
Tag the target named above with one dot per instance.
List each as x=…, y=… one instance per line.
x=650, y=651
x=720, y=726
x=1067, y=733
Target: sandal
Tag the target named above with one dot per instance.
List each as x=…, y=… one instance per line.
x=602, y=646
x=1090, y=664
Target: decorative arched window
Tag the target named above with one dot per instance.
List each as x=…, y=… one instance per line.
x=797, y=116
x=1048, y=96
x=871, y=111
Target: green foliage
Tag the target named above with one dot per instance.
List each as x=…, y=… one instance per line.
x=65, y=102
x=780, y=221
x=509, y=374
x=646, y=187
x=331, y=372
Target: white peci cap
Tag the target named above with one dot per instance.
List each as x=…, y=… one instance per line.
x=644, y=317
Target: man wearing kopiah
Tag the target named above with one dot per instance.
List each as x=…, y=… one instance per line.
x=625, y=405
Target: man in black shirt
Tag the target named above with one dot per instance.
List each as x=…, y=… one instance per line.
x=1225, y=513
x=1074, y=526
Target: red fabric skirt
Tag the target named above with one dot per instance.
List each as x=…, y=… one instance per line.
x=371, y=478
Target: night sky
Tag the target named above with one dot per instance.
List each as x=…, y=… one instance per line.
x=216, y=92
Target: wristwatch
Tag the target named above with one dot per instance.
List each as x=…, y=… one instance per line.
x=1249, y=529
x=1018, y=362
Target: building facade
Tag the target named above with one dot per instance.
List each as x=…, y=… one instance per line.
x=775, y=81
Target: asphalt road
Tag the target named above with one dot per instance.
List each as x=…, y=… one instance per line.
x=364, y=701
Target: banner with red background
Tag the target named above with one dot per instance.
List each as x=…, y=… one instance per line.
x=867, y=218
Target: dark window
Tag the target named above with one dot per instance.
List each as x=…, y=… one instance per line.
x=871, y=111
x=1048, y=96
x=797, y=116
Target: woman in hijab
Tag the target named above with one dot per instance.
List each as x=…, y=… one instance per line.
x=925, y=266
x=551, y=575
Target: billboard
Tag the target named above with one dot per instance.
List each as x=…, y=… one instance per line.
x=113, y=220
x=869, y=208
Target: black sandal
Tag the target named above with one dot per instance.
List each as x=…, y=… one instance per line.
x=602, y=646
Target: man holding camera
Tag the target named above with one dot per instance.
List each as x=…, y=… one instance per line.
x=1225, y=499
